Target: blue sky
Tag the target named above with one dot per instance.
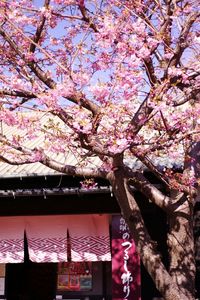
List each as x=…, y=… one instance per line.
x=38, y=2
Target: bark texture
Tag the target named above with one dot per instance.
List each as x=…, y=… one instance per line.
x=181, y=247
x=178, y=282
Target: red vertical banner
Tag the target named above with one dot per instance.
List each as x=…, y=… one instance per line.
x=126, y=280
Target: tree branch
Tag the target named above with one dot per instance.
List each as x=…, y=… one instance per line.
x=151, y=192
x=16, y=93
x=72, y=170
x=194, y=94
x=181, y=43
x=86, y=19
x=38, y=155
x=169, y=182
x=56, y=165
x=148, y=63
x=39, y=30
x=77, y=98
x=142, y=115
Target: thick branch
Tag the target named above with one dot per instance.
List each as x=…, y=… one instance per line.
x=192, y=95
x=55, y=165
x=93, y=144
x=140, y=116
x=143, y=113
x=169, y=182
x=151, y=192
x=38, y=155
x=39, y=30
x=181, y=43
x=86, y=19
x=148, y=63
x=16, y=93
x=72, y=170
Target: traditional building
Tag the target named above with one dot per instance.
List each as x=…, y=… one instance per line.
x=59, y=240
x=54, y=236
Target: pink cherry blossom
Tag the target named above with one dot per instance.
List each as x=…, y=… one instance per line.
x=115, y=84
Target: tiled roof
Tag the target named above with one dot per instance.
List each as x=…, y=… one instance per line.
x=36, y=169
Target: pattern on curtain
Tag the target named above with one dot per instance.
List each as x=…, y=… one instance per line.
x=11, y=240
x=68, y=238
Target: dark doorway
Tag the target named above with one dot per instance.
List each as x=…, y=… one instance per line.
x=30, y=281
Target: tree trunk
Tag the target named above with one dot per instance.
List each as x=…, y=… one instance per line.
x=181, y=246
x=150, y=257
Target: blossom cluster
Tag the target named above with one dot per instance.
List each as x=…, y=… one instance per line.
x=116, y=71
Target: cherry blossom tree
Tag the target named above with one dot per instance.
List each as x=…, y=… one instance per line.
x=118, y=81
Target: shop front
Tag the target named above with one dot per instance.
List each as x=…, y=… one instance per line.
x=60, y=241
x=75, y=280
x=88, y=256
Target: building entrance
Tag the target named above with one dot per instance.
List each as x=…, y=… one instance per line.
x=49, y=281
x=30, y=281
